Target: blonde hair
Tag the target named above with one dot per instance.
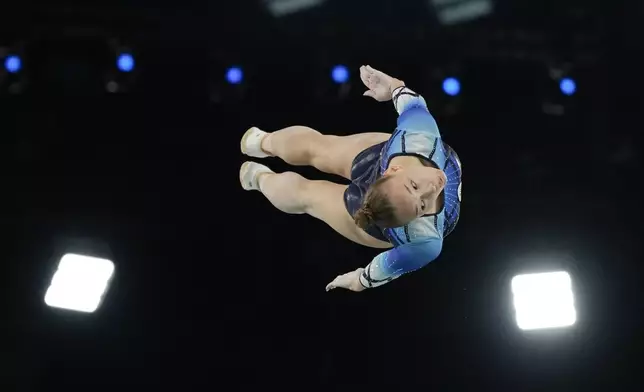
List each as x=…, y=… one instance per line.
x=376, y=208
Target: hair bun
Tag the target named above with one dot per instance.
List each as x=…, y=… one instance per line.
x=367, y=212
x=364, y=217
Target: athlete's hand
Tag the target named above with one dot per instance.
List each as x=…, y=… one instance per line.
x=380, y=84
x=349, y=281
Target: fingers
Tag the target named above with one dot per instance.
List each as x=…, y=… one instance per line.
x=369, y=93
x=375, y=75
x=364, y=75
x=368, y=69
x=333, y=284
x=337, y=282
x=367, y=72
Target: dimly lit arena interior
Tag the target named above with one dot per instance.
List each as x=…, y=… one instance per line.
x=121, y=130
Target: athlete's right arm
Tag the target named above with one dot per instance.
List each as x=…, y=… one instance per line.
x=398, y=261
x=389, y=265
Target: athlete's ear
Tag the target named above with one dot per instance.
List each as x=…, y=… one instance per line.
x=393, y=169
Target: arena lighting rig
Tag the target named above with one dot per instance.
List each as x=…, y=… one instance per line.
x=125, y=63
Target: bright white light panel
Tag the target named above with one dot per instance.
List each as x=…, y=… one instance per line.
x=80, y=283
x=544, y=300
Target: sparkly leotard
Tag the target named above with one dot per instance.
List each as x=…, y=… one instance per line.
x=421, y=241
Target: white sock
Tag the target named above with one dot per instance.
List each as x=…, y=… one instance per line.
x=251, y=143
x=249, y=175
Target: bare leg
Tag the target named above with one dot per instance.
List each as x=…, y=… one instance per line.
x=294, y=194
x=304, y=146
x=284, y=191
x=294, y=145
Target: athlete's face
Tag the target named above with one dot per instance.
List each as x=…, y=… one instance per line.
x=414, y=190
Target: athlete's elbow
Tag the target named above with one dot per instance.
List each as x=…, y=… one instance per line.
x=427, y=258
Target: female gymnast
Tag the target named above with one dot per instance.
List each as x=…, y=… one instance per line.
x=405, y=189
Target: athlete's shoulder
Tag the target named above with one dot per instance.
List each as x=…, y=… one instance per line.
x=411, y=142
x=425, y=228
x=417, y=231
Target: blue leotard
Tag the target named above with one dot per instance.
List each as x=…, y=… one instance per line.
x=421, y=241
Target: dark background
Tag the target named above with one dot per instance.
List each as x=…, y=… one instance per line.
x=217, y=290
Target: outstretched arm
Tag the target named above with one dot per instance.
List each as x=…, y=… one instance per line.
x=383, y=88
x=389, y=265
x=380, y=85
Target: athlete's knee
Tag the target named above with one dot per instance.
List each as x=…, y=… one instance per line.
x=308, y=130
x=287, y=191
x=304, y=191
x=310, y=195
x=295, y=144
x=294, y=182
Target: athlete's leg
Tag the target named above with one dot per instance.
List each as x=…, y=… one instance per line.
x=294, y=194
x=299, y=145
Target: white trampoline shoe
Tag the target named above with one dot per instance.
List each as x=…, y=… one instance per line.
x=251, y=143
x=249, y=175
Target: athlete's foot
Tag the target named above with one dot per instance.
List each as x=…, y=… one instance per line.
x=251, y=143
x=250, y=173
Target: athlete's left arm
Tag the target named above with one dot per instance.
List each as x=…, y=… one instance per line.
x=413, y=114
x=389, y=265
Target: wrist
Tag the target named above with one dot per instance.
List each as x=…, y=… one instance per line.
x=396, y=84
x=358, y=285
